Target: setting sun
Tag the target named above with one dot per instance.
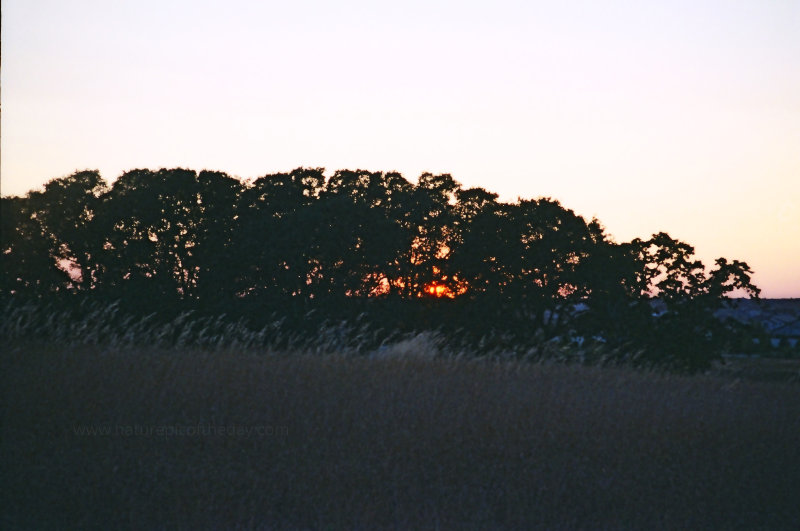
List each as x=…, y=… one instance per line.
x=439, y=290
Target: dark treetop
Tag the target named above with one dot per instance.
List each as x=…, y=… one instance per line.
x=412, y=256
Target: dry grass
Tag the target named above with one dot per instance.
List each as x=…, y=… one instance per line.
x=392, y=441
x=760, y=369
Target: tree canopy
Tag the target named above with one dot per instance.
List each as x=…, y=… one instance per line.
x=425, y=254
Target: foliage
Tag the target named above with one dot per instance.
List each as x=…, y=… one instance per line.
x=424, y=256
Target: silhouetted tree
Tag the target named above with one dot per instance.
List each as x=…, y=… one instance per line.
x=686, y=334
x=361, y=233
x=616, y=308
x=432, y=221
x=67, y=209
x=153, y=224
x=525, y=260
x=272, y=248
x=49, y=237
x=28, y=260
x=292, y=242
x=215, y=236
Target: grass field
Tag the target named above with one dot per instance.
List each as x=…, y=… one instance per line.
x=127, y=438
x=760, y=369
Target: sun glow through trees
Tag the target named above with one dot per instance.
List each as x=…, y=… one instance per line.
x=439, y=290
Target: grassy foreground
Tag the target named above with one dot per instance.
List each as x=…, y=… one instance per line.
x=128, y=438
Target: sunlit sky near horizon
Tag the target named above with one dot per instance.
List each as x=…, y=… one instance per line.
x=681, y=116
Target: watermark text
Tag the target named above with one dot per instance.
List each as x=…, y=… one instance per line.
x=167, y=431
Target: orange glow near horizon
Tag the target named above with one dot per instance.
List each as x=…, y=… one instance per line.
x=439, y=290
x=434, y=289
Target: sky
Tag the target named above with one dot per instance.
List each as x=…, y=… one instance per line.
x=680, y=116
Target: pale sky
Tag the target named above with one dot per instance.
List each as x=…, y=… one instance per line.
x=681, y=116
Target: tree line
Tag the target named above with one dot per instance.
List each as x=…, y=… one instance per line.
x=430, y=254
